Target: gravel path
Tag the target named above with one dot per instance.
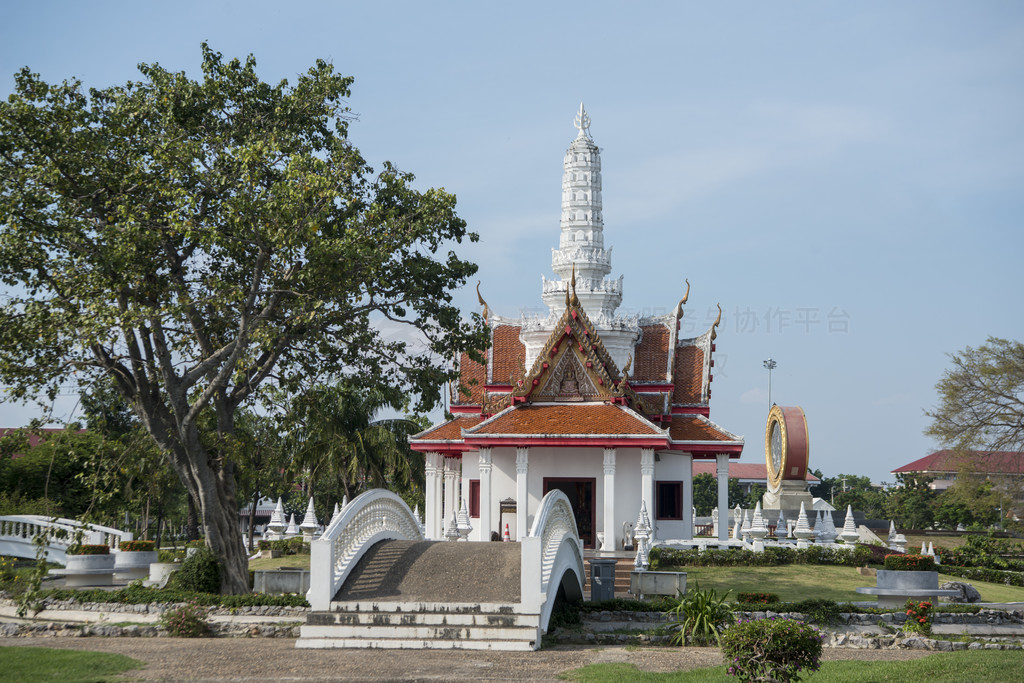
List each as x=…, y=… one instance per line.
x=240, y=659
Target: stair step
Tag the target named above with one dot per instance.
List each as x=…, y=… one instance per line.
x=407, y=618
x=419, y=632
x=413, y=644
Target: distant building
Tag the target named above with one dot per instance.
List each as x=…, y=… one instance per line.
x=944, y=466
x=747, y=473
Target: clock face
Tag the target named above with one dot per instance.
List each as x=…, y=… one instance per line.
x=776, y=447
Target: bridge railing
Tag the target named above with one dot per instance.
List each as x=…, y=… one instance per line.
x=373, y=516
x=18, y=534
x=550, y=552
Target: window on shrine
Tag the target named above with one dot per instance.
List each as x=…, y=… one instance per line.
x=474, y=497
x=669, y=500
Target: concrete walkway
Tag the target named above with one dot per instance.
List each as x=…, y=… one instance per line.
x=240, y=659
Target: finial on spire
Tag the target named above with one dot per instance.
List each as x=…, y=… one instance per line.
x=574, y=301
x=582, y=122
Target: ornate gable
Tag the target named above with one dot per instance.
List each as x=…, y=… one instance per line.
x=569, y=381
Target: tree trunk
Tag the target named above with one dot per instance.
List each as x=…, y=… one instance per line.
x=192, y=523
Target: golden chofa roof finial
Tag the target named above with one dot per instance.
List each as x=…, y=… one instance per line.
x=714, y=333
x=482, y=302
x=679, y=306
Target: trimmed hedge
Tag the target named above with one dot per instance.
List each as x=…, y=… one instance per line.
x=88, y=549
x=288, y=546
x=910, y=563
x=137, y=546
x=982, y=574
x=140, y=595
x=662, y=558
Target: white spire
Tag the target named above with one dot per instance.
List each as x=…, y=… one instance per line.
x=581, y=243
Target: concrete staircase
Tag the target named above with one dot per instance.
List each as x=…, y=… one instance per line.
x=428, y=595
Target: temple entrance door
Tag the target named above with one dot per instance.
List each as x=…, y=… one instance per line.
x=580, y=493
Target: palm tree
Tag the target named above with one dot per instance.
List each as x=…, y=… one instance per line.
x=341, y=449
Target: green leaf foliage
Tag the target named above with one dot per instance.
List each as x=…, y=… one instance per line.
x=771, y=649
x=200, y=241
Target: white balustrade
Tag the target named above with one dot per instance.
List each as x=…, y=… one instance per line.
x=374, y=516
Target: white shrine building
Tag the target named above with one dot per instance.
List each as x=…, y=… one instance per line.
x=613, y=410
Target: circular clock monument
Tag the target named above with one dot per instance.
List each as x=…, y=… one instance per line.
x=787, y=455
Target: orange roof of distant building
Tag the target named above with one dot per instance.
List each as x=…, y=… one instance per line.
x=740, y=470
x=983, y=462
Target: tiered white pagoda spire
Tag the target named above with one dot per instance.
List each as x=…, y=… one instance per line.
x=581, y=246
x=581, y=243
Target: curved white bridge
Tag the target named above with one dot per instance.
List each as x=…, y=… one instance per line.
x=550, y=567
x=18, y=534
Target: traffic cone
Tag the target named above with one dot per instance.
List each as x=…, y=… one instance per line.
x=506, y=537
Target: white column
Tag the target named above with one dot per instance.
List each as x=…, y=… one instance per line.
x=687, y=496
x=722, y=470
x=522, y=493
x=647, y=486
x=609, y=499
x=451, y=491
x=485, y=494
x=438, y=532
x=430, y=495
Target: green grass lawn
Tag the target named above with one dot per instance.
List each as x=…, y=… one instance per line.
x=797, y=582
x=68, y=666
x=999, y=665
x=294, y=561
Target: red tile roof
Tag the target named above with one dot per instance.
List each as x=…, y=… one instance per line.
x=698, y=428
x=563, y=419
x=508, y=354
x=739, y=470
x=448, y=431
x=688, y=375
x=472, y=377
x=982, y=462
x=650, y=363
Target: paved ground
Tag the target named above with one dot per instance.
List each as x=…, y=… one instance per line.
x=238, y=659
x=421, y=571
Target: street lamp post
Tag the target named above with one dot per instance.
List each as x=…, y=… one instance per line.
x=770, y=365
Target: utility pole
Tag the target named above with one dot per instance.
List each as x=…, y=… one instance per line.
x=770, y=365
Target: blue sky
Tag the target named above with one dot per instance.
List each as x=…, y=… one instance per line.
x=846, y=179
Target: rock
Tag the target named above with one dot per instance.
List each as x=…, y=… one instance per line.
x=968, y=593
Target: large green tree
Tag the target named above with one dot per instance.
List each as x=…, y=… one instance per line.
x=981, y=399
x=981, y=408
x=197, y=240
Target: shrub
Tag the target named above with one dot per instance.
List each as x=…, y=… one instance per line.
x=87, y=549
x=136, y=546
x=163, y=555
x=818, y=610
x=771, y=649
x=910, y=563
x=988, y=553
x=700, y=614
x=288, y=546
x=627, y=605
x=757, y=598
x=919, y=617
x=199, y=573
x=565, y=614
x=187, y=621
x=198, y=543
